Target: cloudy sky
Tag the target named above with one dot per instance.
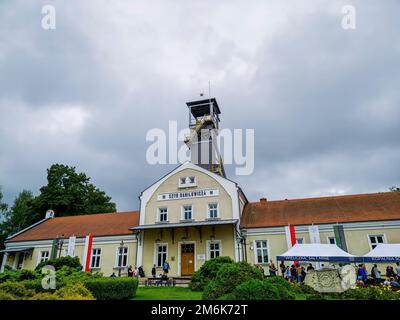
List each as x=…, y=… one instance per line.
x=324, y=101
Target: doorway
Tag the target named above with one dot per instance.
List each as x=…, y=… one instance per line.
x=187, y=259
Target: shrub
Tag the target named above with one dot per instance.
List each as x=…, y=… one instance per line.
x=208, y=272
x=18, y=275
x=58, y=263
x=316, y=296
x=228, y=277
x=303, y=288
x=371, y=293
x=37, y=286
x=16, y=289
x=254, y=289
x=44, y=296
x=74, y=292
x=6, y=296
x=112, y=288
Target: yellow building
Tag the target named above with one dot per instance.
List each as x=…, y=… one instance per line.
x=194, y=213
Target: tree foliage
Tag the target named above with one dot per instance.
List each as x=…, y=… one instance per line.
x=70, y=193
x=66, y=192
x=395, y=189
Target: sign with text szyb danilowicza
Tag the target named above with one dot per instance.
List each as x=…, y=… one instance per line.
x=188, y=194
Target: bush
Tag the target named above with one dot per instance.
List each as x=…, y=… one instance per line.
x=18, y=275
x=112, y=288
x=6, y=296
x=37, y=286
x=44, y=296
x=228, y=277
x=16, y=289
x=208, y=272
x=58, y=263
x=371, y=293
x=74, y=292
x=303, y=288
x=316, y=296
x=254, y=289
x=284, y=287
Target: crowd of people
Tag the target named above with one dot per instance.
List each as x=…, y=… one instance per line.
x=392, y=276
x=298, y=273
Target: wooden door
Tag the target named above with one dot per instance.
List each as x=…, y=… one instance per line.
x=187, y=259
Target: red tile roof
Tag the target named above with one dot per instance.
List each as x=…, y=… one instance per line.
x=102, y=224
x=351, y=208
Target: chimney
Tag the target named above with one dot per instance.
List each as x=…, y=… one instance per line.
x=49, y=214
x=263, y=200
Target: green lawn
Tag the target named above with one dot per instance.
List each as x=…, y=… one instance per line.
x=166, y=293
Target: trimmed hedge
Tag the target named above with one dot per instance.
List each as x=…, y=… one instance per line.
x=228, y=277
x=112, y=288
x=208, y=272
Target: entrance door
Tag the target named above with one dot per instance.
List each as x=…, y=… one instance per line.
x=187, y=259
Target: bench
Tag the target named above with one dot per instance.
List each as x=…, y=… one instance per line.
x=160, y=281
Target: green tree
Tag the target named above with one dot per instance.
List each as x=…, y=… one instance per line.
x=3, y=216
x=70, y=193
x=395, y=189
x=21, y=214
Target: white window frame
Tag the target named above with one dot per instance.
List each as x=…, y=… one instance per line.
x=159, y=214
x=183, y=212
x=255, y=251
x=97, y=256
x=156, y=246
x=39, y=259
x=117, y=255
x=376, y=235
x=208, y=210
x=209, y=242
x=328, y=239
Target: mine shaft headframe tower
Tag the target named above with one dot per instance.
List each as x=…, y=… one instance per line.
x=204, y=125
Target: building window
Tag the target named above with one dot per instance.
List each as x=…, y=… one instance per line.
x=161, y=254
x=163, y=214
x=214, y=249
x=185, y=182
x=213, y=210
x=95, y=262
x=331, y=240
x=376, y=239
x=261, y=251
x=187, y=212
x=44, y=256
x=122, y=257
x=300, y=240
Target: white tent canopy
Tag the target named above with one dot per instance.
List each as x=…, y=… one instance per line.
x=384, y=252
x=316, y=252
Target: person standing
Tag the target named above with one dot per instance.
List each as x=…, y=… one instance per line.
x=398, y=269
x=166, y=267
x=153, y=271
x=293, y=273
x=287, y=274
x=283, y=268
x=272, y=269
x=130, y=271
x=310, y=267
x=376, y=274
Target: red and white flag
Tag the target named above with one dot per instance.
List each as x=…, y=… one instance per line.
x=290, y=236
x=87, y=252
